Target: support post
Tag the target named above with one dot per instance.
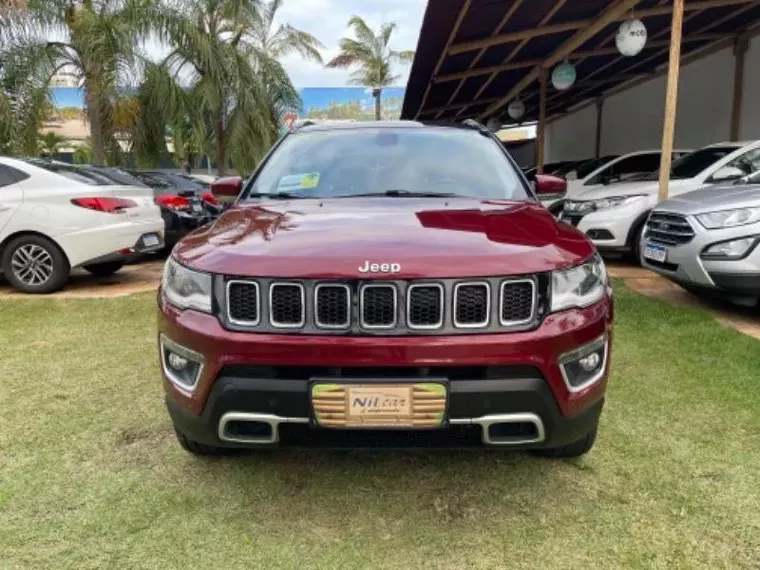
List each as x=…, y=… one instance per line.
x=598, y=142
x=671, y=98
x=541, y=131
x=740, y=49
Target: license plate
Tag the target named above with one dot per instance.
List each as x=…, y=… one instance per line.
x=655, y=252
x=416, y=406
x=197, y=208
x=151, y=240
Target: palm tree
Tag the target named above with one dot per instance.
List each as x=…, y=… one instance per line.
x=370, y=51
x=24, y=105
x=50, y=144
x=98, y=40
x=227, y=50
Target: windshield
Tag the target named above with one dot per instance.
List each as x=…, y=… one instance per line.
x=375, y=161
x=692, y=164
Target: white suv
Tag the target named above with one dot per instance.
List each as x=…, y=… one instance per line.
x=613, y=216
x=54, y=217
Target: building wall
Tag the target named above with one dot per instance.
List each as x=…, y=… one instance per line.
x=632, y=120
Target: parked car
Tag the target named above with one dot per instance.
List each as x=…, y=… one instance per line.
x=55, y=217
x=629, y=167
x=388, y=283
x=579, y=170
x=706, y=240
x=614, y=216
x=206, y=179
x=185, y=204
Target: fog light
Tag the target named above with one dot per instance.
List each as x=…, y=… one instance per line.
x=177, y=362
x=733, y=249
x=181, y=366
x=584, y=366
x=590, y=362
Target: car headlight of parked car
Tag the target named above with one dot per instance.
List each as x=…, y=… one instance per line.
x=185, y=288
x=729, y=218
x=615, y=201
x=731, y=249
x=579, y=286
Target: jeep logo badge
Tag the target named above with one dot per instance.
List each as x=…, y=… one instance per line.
x=379, y=267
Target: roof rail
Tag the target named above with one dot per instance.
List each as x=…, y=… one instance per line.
x=306, y=123
x=473, y=124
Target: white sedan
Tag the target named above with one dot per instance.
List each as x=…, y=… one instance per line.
x=613, y=216
x=55, y=217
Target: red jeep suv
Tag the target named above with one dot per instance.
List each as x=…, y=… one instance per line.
x=388, y=284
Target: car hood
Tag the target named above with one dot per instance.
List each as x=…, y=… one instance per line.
x=713, y=198
x=426, y=237
x=649, y=188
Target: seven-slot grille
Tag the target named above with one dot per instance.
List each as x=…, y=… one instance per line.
x=398, y=307
x=669, y=229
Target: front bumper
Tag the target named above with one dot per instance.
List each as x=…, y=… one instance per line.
x=485, y=374
x=610, y=229
x=683, y=264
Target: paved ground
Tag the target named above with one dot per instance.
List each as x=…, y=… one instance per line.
x=145, y=277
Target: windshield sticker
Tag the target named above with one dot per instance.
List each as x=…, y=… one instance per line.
x=292, y=182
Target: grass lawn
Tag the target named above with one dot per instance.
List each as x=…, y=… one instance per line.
x=91, y=477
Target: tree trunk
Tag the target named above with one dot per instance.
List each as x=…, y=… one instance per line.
x=96, y=125
x=378, y=110
x=221, y=150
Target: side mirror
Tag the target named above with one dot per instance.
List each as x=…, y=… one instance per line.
x=550, y=187
x=228, y=187
x=727, y=173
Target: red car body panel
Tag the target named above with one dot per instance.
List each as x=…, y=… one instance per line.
x=430, y=237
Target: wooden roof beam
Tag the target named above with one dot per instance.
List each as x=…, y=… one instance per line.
x=503, y=22
x=575, y=55
x=512, y=54
x=442, y=57
x=580, y=24
x=611, y=14
x=660, y=53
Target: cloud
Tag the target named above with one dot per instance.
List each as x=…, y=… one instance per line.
x=327, y=19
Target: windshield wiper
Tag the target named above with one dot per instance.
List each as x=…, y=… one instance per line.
x=278, y=196
x=402, y=194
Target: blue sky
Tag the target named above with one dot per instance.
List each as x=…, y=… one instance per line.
x=326, y=19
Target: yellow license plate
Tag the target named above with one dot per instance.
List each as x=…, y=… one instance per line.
x=420, y=405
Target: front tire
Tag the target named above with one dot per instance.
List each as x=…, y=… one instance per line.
x=34, y=264
x=104, y=269
x=574, y=449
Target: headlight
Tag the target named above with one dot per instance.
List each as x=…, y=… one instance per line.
x=615, y=201
x=579, y=286
x=185, y=288
x=729, y=218
x=733, y=249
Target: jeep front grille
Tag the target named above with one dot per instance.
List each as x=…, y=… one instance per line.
x=286, y=305
x=332, y=306
x=424, y=306
x=472, y=303
x=669, y=229
x=379, y=305
x=517, y=301
x=400, y=307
